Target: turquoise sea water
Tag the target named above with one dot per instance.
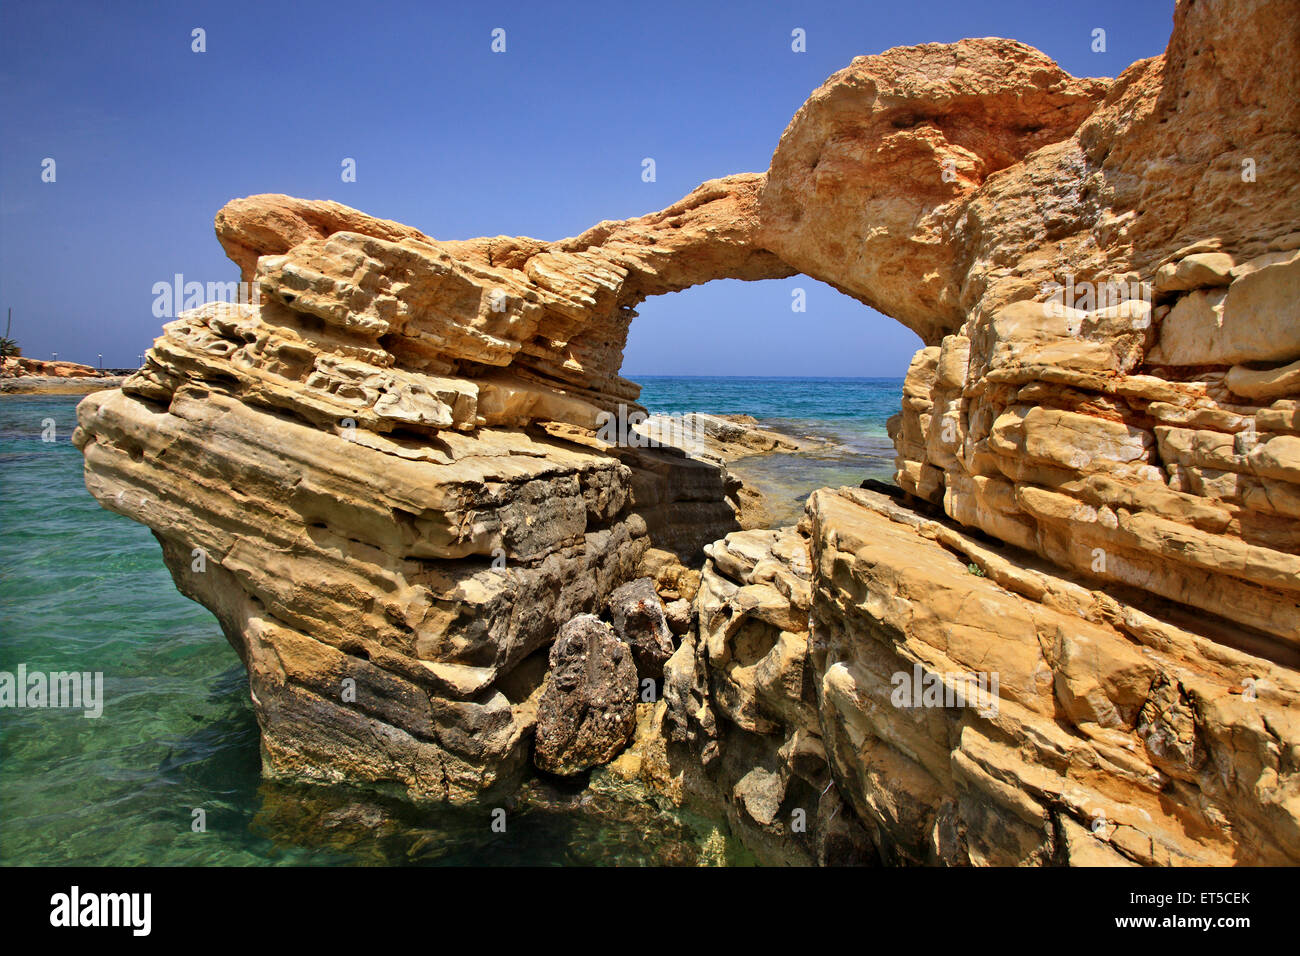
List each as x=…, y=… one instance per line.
x=83, y=589
x=846, y=415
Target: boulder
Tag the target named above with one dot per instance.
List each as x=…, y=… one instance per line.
x=588, y=706
x=640, y=620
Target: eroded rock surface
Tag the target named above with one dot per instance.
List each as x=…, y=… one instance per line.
x=870, y=185
x=1123, y=731
x=588, y=706
x=387, y=478
x=640, y=620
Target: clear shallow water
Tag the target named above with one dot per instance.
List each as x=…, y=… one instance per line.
x=84, y=589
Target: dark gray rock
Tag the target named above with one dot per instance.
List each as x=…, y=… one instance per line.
x=588, y=708
x=639, y=619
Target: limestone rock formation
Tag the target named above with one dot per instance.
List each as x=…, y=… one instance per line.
x=1081, y=409
x=588, y=705
x=1122, y=731
x=716, y=438
x=273, y=224
x=538, y=328
x=15, y=366
x=870, y=184
x=738, y=727
x=394, y=478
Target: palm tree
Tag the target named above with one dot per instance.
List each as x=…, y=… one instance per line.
x=8, y=346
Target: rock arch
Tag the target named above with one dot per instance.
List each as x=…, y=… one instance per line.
x=399, y=412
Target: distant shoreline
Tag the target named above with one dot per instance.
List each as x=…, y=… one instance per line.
x=54, y=385
x=634, y=377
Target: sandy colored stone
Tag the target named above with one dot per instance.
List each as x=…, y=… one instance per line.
x=868, y=183
x=1197, y=271
x=1265, y=384
x=17, y=366
x=392, y=463
x=715, y=437
x=1077, y=695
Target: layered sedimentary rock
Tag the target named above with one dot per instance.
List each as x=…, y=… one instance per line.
x=833, y=699
x=16, y=366
x=1119, y=732
x=1122, y=284
x=385, y=479
x=536, y=328
x=393, y=481
x=394, y=603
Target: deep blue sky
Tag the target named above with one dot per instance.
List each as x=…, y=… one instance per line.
x=150, y=139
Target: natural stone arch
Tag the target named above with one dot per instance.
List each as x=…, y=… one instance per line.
x=878, y=161
x=942, y=185
x=351, y=455
x=526, y=318
x=869, y=184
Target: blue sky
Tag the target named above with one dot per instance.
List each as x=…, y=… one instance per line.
x=151, y=139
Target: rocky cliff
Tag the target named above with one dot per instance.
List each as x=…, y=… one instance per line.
x=1070, y=636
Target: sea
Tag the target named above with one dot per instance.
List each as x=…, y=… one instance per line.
x=843, y=420
x=170, y=773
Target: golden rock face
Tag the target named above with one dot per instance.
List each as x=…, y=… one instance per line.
x=391, y=465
